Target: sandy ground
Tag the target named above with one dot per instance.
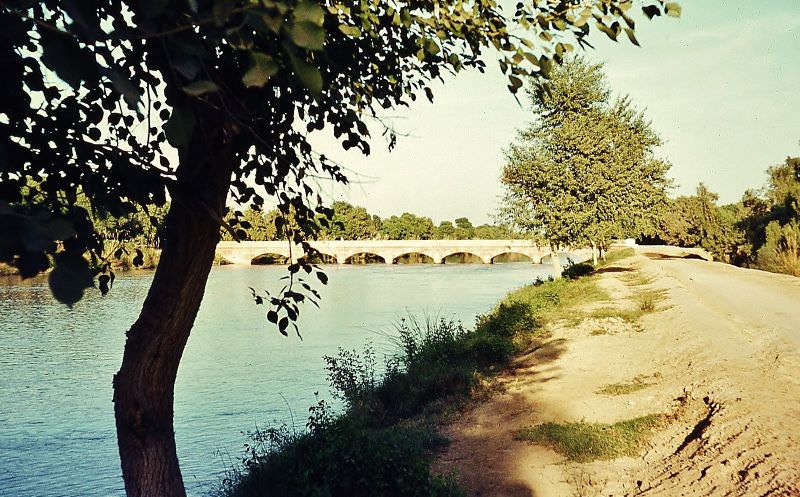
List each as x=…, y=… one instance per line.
x=723, y=349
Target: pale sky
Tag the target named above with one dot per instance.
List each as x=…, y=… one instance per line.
x=721, y=85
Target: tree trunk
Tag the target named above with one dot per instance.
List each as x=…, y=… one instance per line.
x=556, y=261
x=594, y=254
x=144, y=386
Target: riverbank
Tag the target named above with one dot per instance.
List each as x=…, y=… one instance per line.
x=681, y=380
x=384, y=442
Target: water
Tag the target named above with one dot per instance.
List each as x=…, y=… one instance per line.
x=56, y=416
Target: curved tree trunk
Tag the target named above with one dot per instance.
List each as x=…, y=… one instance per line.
x=144, y=385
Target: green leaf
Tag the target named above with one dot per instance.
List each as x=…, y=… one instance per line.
x=222, y=10
x=59, y=229
x=431, y=46
x=546, y=65
x=103, y=283
x=69, y=278
x=608, y=31
x=62, y=55
x=309, y=11
x=673, y=9
x=308, y=35
x=126, y=88
x=282, y=324
x=200, y=87
x=151, y=9
x=273, y=22
x=262, y=67
x=651, y=11
x=179, y=127
x=631, y=36
x=138, y=260
x=308, y=75
x=351, y=31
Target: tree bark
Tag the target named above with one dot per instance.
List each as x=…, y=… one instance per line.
x=594, y=254
x=144, y=386
x=556, y=261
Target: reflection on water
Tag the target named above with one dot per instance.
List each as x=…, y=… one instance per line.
x=56, y=364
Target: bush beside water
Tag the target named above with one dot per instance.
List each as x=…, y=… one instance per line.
x=384, y=441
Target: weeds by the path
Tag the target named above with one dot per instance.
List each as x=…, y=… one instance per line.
x=639, y=383
x=585, y=442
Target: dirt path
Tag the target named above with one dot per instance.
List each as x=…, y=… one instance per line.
x=724, y=344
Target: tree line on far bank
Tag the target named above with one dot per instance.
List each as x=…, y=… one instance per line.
x=352, y=222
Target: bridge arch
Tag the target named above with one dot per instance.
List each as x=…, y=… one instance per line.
x=322, y=258
x=462, y=258
x=413, y=258
x=364, y=258
x=269, y=259
x=507, y=257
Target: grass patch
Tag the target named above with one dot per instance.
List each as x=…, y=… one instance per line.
x=627, y=315
x=637, y=278
x=586, y=442
x=556, y=300
x=648, y=301
x=638, y=383
x=7, y=270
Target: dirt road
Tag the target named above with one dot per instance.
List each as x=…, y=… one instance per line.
x=722, y=350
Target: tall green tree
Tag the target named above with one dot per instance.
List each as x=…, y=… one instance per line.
x=584, y=172
x=407, y=227
x=350, y=222
x=697, y=221
x=772, y=224
x=445, y=231
x=464, y=229
x=97, y=94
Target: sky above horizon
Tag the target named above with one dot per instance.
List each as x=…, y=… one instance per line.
x=721, y=86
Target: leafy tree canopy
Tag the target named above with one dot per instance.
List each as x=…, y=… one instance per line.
x=584, y=171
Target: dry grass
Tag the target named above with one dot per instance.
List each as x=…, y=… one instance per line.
x=628, y=315
x=648, y=300
x=639, y=383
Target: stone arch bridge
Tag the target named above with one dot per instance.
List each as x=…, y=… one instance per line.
x=342, y=251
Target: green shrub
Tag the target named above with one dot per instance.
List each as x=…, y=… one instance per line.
x=128, y=254
x=585, y=442
x=575, y=271
x=340, y=458
x=781, y=250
